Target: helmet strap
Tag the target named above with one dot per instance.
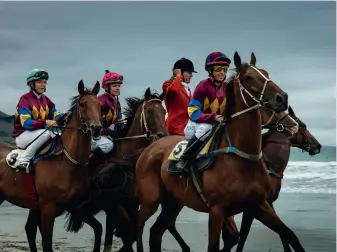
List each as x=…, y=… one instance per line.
x=31, y=84
x=107, y=89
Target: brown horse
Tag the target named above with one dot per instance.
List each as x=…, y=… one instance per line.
x=114, y=178
x=59, y=180
x=233, y=183
x=276, y=144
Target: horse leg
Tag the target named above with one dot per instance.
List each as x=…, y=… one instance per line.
x=32, y=223
x=127, y=230
x=110, y=225
x=247, y=220
x=266, y=215
x=230, y=234
x=146, y=210
x=174, y=232
x=98, y=230
x=47, y=226
x=286, y=246
x=170, y=209
x=215, y=222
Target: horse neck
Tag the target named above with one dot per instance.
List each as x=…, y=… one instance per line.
x=131, y=145
x=245, y=129
x=276, y=151
x=74, y=141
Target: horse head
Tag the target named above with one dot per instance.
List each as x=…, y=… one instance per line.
x=148, y=115
x=256, y=87
x=85, y=111
x=303, y=139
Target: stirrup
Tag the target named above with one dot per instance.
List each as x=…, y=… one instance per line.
x=24, y=166
x=181, y=164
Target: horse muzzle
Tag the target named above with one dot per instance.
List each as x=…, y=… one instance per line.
x=95, y=130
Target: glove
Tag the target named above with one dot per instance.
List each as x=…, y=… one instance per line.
x=113, y=134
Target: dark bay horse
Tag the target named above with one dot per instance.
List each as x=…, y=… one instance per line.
x=114, y=179
x=276, y=143
x=234, y=183
x=59, y=180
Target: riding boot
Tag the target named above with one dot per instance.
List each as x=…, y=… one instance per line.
x=189, y=153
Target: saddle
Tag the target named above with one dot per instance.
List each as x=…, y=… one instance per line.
x=46, y=150
x=202, y=161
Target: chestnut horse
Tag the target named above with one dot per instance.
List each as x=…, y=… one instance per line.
x=235, y=182
x=276, y=143
x=268, y=119
x=276, y=152
x=114, y=179
x=60, y=179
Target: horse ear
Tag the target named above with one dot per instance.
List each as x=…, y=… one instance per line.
x=96, y=88
x=148, y=94
x=81, y=87
x=291, y=111
x=237, y=61
x=162, y=96
x=252, y=59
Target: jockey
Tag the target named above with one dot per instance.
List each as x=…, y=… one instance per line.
x=177, y=96
x=33, y=112
x=206, y=106
x=110, y=113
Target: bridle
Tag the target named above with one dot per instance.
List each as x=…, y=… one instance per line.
x=84, y=128
x=259, y=102
x=147, y=132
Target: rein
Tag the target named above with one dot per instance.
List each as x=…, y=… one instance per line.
x=259, y=104
x=147, y=135
x=279, y=127
x=84, y=127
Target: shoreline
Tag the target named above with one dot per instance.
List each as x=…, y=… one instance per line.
x=311, y=216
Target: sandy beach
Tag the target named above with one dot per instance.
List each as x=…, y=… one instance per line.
x=311, y=216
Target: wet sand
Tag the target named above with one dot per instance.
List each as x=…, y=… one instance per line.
x=311, y=216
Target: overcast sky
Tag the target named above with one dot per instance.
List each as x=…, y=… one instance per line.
x=294, y=41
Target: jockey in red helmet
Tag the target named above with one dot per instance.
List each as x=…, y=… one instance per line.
x=207, y=104
x=33, y=113
x=177, y=96
x=111, y=113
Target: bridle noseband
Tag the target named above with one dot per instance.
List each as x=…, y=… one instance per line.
x=84, y=128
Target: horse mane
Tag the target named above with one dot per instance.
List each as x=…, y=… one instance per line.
x=132, y=104
x=230, y=96
x=74, y=99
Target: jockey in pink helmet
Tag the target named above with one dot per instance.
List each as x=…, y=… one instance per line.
x=111, y=113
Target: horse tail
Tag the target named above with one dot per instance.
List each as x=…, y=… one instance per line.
x=73, y=223
x=75, y=218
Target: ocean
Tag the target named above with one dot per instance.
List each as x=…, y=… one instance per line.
x=311, y=174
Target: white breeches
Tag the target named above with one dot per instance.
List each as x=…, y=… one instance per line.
x=200, y=130
x=104, y=143
x=27, y=137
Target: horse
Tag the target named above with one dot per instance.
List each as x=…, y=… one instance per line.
x=57, y=178
x=276, y=144
x=114, y=182
x=269, y=118
x=233, y=178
